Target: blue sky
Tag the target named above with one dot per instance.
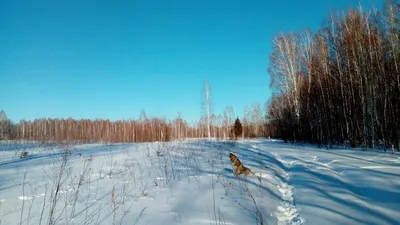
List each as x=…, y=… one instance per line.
x=111, y=59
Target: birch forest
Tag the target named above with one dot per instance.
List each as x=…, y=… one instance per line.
x=143, y=129
x=339, y=85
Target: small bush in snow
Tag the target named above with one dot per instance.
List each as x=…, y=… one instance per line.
x=24, y=154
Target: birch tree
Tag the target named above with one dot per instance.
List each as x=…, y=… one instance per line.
x=229, y=115
x=207, y=106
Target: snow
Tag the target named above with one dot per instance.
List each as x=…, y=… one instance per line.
x=192, y=182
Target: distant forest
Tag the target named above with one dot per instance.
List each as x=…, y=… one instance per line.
x=339, y=85
x=142, y=130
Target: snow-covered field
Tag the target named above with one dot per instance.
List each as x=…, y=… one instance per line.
x=192, y=182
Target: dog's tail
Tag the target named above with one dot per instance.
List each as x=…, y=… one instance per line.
x=249, y=171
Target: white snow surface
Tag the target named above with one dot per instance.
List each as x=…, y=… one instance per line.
x=192, y=182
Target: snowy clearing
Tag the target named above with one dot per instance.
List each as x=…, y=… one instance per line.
x=192, y=182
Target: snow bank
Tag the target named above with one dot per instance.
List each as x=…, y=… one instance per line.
x=192, y=182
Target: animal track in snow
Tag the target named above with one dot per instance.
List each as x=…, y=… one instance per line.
x=287, y=212
x=23, y=198
x=65, y=191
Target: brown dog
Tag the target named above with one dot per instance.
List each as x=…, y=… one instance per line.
x=238, y=167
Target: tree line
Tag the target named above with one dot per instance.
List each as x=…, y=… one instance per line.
x=142, y=130
x=339, y=85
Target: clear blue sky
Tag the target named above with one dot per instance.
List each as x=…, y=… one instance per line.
x=111, y=59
